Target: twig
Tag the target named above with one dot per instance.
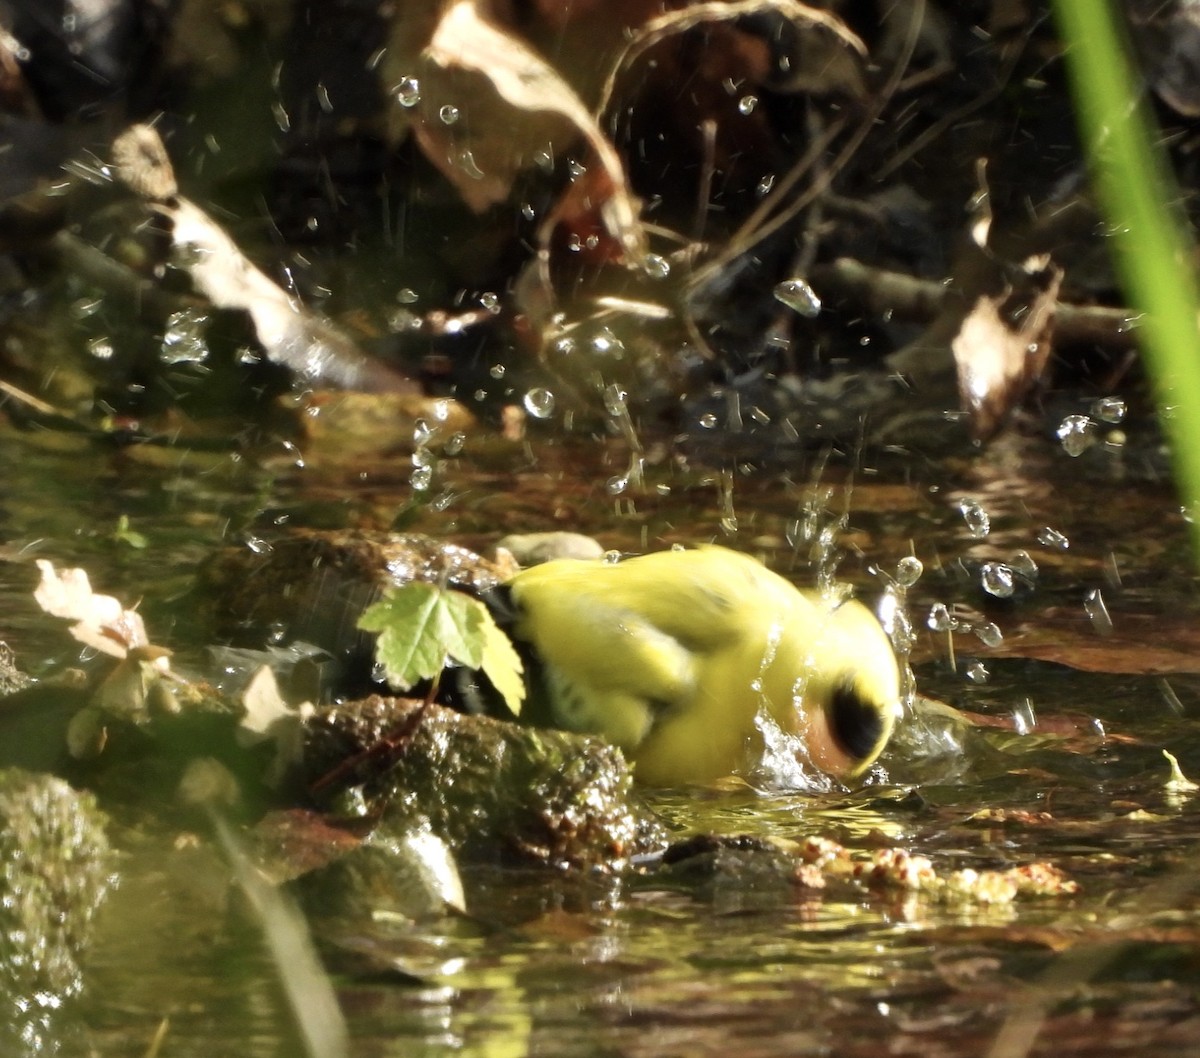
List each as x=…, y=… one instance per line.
x=896, y=295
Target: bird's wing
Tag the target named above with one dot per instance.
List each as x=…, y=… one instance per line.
x=593, y=641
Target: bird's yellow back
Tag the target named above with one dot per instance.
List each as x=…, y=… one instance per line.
x=672, y=654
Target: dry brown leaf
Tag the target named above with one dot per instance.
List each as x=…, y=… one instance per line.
x=289, y=333
x=487, y=146
x=1003, y=346
x=101, y=622
x=1143, y=644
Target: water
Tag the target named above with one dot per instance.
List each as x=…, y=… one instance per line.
x=1065, y=766
x=797, y=295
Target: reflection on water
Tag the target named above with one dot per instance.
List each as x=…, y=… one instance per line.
x=724, y=964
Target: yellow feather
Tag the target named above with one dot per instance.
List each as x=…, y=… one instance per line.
x=671, y=656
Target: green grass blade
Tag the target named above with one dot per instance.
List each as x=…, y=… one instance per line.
x=1152, y=244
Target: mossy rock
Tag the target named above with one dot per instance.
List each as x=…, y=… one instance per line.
x=493, y=790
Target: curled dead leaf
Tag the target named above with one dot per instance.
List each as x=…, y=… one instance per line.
x=1003, y=346
x=101, y=622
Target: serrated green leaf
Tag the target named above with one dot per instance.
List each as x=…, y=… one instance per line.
x=502, y=665
x=420, y=627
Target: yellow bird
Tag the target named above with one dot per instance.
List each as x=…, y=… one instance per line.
x=671, y=655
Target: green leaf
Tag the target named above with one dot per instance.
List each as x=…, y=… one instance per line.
x=502, y=665
x=125, y=534
x=420, y=627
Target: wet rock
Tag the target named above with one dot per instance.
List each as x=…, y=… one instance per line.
x=530, y=549
x=11, y=678
x=312, y=586
x=410, y=878
x=54, y=873
x=735, y=873
x=494, y=791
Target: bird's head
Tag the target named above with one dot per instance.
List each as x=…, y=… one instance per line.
x=846, y=699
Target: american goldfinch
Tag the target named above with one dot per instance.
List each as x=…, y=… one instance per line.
x=671, y=655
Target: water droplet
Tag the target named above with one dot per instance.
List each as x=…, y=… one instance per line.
x=997, y=579
x=85, y=307
x=101, y=348
x=575, y=169
x=1023, y=565
x=764, y=185
x=1053, y=538
x=747, y=104
x=1109, y=409
x=408, y=92
x=605, y=343
x=1093, y=604
x=455, y=443
x=496, y=371
x=614, y=399
x=978, y=522
x=422, y=478
x=466, y=162
x=988, y=633
x=908, y=571
x=977, y=673
x=1077, y=434
x=656, y=267
x=402, y=321
x=563, y=346
x=448, y=114
x=539, y=402
x=422, y=433
x=939, y=619
x=406, y=296
x=617, y=484
x=527, y=211
x=491, y=302
x=707, y=421
x=183, y=339
x=797, y=295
